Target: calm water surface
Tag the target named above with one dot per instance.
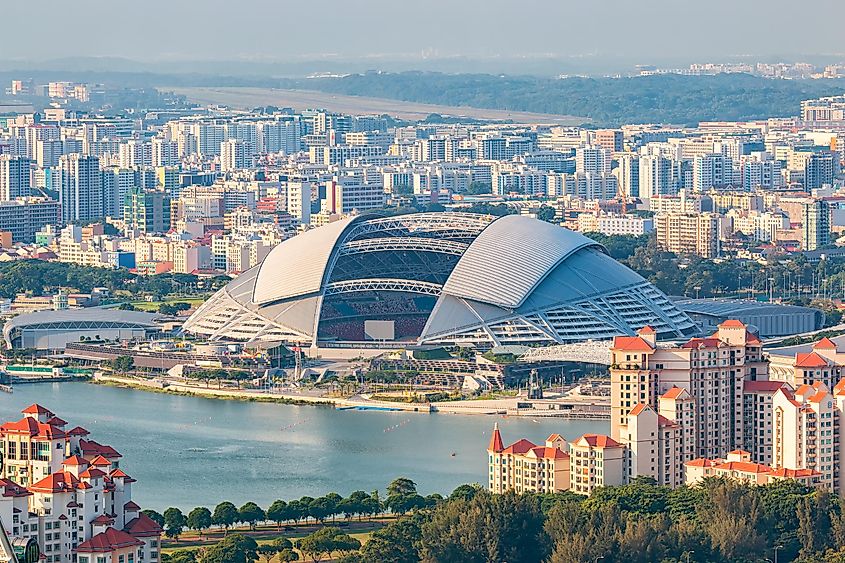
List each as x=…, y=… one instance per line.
x=190, y=451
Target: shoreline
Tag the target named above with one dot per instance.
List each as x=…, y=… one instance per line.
x=492, y=407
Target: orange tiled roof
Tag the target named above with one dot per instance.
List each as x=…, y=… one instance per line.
x=631, y=344
x=809, y=360
x=825, y=344
x=674, y=393
x=600, y=441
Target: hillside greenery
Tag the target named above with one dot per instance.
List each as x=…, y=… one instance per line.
x=675, y=99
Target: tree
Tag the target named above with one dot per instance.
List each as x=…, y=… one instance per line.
x=278, y=512
x=402, y=504
x=123, y=364
x=236, y=548
x=478, y=188
x=180, y=556
x=506, y=527
x=326, y=541
x=154, y=516
x=199, y=519
x=277, y=547
x=397, y=542
x=402, y=486
x=251, y=514
x=225, y=515
x=296, y=510
x=546, y=214
x=465, y=492
x=174, y=522
x=372, y=504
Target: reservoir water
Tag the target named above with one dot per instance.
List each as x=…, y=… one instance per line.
x=191, y=451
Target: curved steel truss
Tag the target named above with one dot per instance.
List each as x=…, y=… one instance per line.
x=403, y=243
x=383, y=284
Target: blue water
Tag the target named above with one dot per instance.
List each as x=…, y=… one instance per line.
x=190, y=451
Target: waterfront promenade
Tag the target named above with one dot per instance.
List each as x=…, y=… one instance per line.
x=570, y=407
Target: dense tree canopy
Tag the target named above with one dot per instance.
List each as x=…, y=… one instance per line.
x=607, y=101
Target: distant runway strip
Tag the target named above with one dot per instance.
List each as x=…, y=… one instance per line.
x=248, y=98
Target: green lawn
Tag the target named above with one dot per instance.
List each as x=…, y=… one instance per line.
x=152, y=306
x=265, y=534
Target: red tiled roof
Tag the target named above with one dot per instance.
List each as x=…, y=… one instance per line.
x=103, y=519
x=761, y=386
x=92, y=473
x=58, y=482
x=744, y=466
x=701, y=462
x=496, y=444
x=732, y=323
x=793, y=473
x=91, y=449
x=9, y=488
x=143, y=526
x=739, y=452
x=825, y=344
x=663, y=422
x=100, y=461
x=35, y=408
x=638, y=409
x=702, y=343
x=131, y=507
x=647, y=330
x=32, y=427
x=119, y=473
x=809, y=360
x=108, y=541
x=77, y=431
x=549, y=453
x=818, y=397
x=600, y=441
x=554, y=437
x=75, y=460
x=520, y=447
x=56, y=421
x=631, y=344
x=751, y=338
x=674, y=393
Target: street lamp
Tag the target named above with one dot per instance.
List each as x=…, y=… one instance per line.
x=689, y=554
x=599, y=558
x=777, y=547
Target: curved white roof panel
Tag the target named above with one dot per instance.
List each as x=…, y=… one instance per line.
x=509, y=258
x=297, y=266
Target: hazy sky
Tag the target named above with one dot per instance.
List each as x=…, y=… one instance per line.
x=275, y=29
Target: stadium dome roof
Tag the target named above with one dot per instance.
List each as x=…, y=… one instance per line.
x=437, y=278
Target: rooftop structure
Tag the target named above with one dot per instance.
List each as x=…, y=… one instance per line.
x=437, y=278
x=52, y=330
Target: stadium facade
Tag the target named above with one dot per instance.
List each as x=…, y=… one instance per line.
x=437, y=278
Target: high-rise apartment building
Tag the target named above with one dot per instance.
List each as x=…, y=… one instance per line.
x=689, y=233
x=816, y=224
x=15, y=177
x=81, y=193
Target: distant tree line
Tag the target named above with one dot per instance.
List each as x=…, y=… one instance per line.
x=676, y=99
x=39, y=277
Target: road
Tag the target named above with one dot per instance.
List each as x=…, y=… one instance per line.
x=248, y=98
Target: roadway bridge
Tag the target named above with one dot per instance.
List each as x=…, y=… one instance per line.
x=590, y=352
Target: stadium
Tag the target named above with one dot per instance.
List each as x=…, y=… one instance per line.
x=437, y=278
